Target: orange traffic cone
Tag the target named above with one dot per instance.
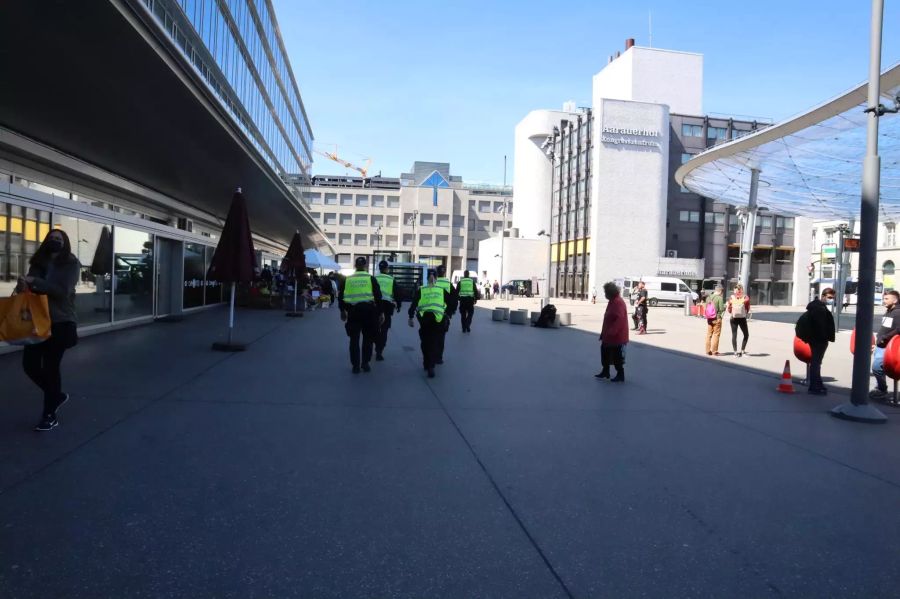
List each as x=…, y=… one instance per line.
x=787, y=383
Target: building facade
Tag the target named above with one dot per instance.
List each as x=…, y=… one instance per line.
x=426, y=215
x=615, y=210
x=140, y=176
x=826, y=236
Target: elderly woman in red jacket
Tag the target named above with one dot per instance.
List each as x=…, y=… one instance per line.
x=614, y=335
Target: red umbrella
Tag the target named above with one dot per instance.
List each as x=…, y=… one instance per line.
x=294, y=266
x=234, y=260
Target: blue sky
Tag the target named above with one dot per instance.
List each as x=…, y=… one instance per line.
x=400, y=81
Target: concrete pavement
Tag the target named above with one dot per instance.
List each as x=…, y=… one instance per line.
x=179, y=472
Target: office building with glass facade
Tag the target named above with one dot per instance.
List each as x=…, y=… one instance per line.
x=129, y=127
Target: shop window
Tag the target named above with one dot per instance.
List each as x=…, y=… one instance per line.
x=133, y=273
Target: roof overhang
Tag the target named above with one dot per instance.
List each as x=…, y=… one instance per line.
x=811, y=164
x=101, y=82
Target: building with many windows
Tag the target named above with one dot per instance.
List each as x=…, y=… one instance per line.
x=826, y=236
x=615, y=211
x=426, y=215
x=129, y=127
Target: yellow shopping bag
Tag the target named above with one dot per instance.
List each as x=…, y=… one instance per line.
x=24, y=319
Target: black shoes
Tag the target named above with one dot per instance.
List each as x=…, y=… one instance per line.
x=47, y=423
x=366, y=368
x=603, y=374
x=379, y=358
x=619, y=378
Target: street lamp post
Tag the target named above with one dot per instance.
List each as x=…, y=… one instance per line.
x=412, y=221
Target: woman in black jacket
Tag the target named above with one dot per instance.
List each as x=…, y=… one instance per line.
x=54, y=272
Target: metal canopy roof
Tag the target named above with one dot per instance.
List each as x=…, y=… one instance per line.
x=810, y=165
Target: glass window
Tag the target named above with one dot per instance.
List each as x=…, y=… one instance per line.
x=443, y=220
x=133, y=273
x=425, y=240
x=346, y=220
x=695, y=216
x=346, y=199
x=716, y=133
x=691, y=130
x=426, y=220
x=194, y=274
x=484, y=206
x=471, y=244
x=214, y=289
x=762, y=256
x=497, y=226
x=93, y=292
x=789, y=222
x=377, y=201
x=331, y=199
x=442, y=241
x=498, y=207
x=668, y=286
x=393, y=201
x=784, y=256
x=344, y=239
x=391, y=241
x=360, y=239
x=377, y=220
x=692, y=216
x=459, y=220
x=734, y=253
x=408, y=239
x=393, y=221
x=764, y=222
x=362, y=220
x=890, y=234
x=316, y=216
x=330, y=218
x=362, y=201
x=472, y=224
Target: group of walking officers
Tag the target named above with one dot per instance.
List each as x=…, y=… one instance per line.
x=367, y=304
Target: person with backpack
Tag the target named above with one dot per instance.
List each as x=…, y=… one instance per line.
x=739, y=309
x=613, y=335
x=890, y=327
x=816, y=327
x=715, y=309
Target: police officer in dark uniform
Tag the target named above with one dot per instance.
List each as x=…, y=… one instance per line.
x=467, y=292
x=359, y=301
x=444, y=283
x=430, y=307
x=387, y=305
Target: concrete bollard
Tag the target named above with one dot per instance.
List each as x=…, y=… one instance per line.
x=688, y=303
x=517, y=317
x=497, y=314
x=565, y=319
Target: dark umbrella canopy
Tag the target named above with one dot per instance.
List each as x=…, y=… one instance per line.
x=294, y=263
x=102, y=262
x=234, y=259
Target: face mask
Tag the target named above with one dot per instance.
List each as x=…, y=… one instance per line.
x=830, y=301
x=55, y=245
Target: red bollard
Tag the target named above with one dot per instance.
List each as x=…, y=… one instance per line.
x=853, y=341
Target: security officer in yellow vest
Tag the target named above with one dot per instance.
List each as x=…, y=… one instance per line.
x=387, y=305
x=430, y=307
x=468, y=295
x=444, y=283
x=359, y=301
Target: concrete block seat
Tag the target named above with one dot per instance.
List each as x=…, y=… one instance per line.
x=518, y=317
x=497, y=314
x=505, y=312
x=564, y=318
x=535, y=316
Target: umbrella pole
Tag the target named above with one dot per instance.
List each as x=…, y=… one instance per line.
x=295, y=294
x=231, y=313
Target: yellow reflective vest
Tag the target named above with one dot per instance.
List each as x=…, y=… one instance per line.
x=358, y=289
x=431, y=299
x=444, y=284
x=466, y=287
x=386, y=282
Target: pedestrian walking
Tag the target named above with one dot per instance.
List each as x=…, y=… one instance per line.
x=387, y=305
x=715, y=309
x=642, y=305
x=467, y=293
x=816, y=327
x=429, y=306
x=890, y=327
x=54, y=272
x=358, y=301
x=497, y=289
x=739, y=309
x=613, y=335
x=444, y=283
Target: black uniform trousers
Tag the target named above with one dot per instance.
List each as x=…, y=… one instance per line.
x=466, y=312
x=387, y=308
x=431, y=333
x=362, y=321
x=612, y=355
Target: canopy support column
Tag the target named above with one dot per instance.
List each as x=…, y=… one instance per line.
x=859, y=408
x=749, y=232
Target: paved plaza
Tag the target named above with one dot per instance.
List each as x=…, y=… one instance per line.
x=180, y=472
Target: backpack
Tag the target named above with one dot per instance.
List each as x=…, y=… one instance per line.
x=711, y=312
x=803, y=328
x=548, y=315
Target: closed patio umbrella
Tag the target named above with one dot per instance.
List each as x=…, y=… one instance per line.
x=234, y=260
x=101, y=266
x=294, y=266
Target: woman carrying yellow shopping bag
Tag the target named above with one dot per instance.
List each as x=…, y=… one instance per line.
x=53, y=273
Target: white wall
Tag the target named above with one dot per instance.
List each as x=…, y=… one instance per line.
x=629, y=190
x=655, y=76
x=531, y=174
x=522, y=258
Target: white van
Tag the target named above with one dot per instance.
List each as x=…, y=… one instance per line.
x=660, y=290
